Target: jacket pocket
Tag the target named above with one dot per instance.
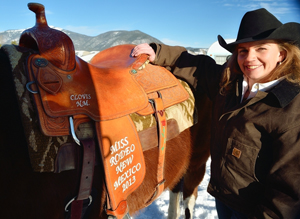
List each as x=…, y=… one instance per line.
x=241, y=158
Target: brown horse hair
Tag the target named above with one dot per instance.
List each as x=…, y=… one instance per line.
x=289, y=68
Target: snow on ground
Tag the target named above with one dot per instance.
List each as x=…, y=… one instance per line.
x=204, y=208
x=86, y=55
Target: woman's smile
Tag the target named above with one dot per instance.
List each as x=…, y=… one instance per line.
x=252, y=67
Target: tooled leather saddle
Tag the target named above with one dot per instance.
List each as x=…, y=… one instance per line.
x=68, y=92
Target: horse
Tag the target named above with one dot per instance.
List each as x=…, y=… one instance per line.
x=29, y=194
x=187, y=187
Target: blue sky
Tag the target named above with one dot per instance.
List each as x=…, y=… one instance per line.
x=194, y=23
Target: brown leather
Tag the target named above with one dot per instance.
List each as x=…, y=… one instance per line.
x=106, y=90
x=86, y=179
x=162, y=140
x=76, y=209
x=54, y=45
x=102, y=93
x=98, y=93
x=149, y=137
x=122, y=158
x=120, y=211
x=67, y=155
x=150, y=77
x=87, y=169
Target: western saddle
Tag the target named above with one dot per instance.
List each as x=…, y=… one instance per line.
x=68, y=92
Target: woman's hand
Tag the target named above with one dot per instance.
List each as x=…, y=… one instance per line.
x=144, y=48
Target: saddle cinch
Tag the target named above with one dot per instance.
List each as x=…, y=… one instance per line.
x=106, y=92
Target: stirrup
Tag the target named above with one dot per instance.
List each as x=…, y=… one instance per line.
x=73, y=130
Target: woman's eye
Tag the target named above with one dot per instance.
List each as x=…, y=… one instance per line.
x=242, y=51
x=261, y=48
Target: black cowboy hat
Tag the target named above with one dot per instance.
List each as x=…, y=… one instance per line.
x=262, y=25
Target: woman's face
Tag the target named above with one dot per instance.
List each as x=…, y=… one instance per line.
x=257, y=59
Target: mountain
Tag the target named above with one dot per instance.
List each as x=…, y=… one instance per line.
x=89, y=43
x=112, y=38
x=8, y=36
x=196, y=51
x=97, y=43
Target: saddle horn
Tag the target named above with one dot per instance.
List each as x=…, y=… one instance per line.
x=40, y=15
x=51, y=44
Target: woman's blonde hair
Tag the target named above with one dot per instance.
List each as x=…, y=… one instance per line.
x=289, y=67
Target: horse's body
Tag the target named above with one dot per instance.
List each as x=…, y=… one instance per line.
x=28, y=194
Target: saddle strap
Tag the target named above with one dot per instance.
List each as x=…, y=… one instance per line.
x=87, y=173
x=160, y=116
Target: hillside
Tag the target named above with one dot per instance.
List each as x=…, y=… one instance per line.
x=89, y=43
x=96, y=43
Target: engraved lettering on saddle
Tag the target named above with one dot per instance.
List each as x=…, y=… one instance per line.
x=81, y=99
x=108, y=92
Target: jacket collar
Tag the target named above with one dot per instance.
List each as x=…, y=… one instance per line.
x=285, y=92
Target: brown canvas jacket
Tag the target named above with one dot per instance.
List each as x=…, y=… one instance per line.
x=255, y=146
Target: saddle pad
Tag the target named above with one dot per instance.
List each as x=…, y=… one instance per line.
x=184, y=113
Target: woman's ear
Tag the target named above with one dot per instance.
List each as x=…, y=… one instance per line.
x=282, y=55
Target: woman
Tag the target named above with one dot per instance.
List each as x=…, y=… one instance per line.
x=255, y=144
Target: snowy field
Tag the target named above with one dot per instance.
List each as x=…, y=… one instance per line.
x=204, y=208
